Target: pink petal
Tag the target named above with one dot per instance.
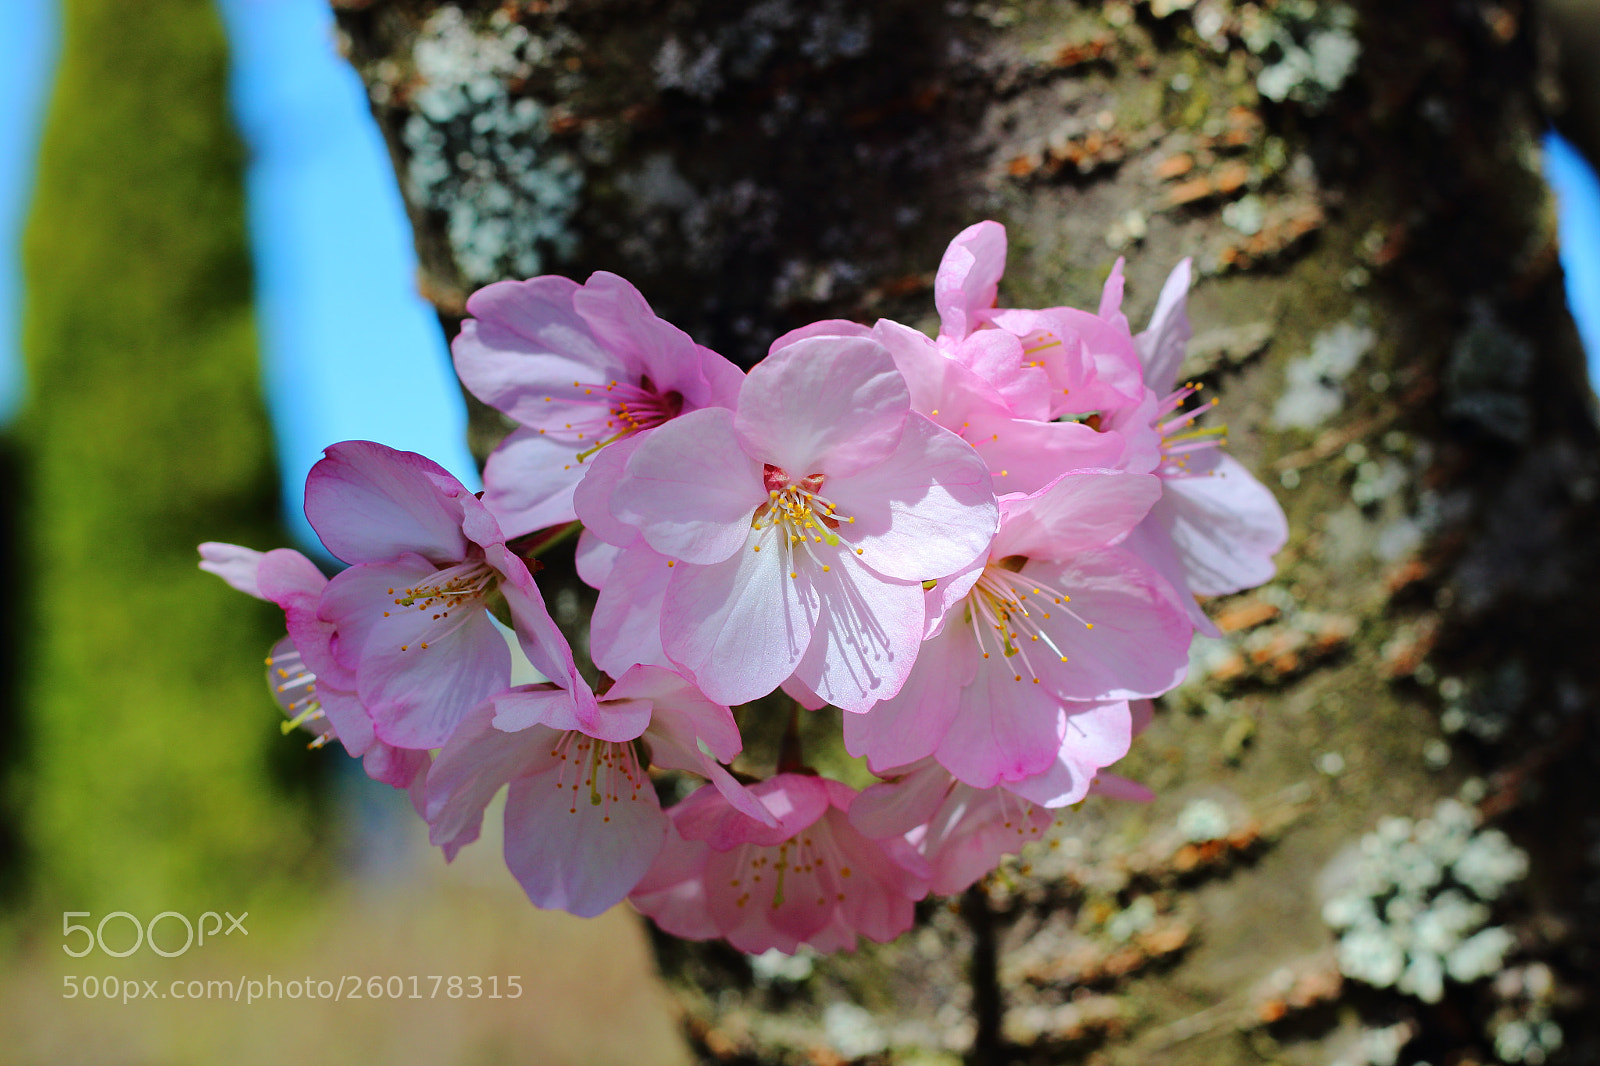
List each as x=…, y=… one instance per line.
x=691, y=489
x=797, y=691
x=529, y=480
x=591, y=499
x=540, y=639
x=1162, y=345
x=1111, y=295
x=740, y=626
x=973, y=829
x=999, y=358
x=554, y=708
x=673, y=892
x=396, y=767
x=594, y=558
x=370, y=503
x=578, y=856
x=352, y=604
x=284, y=576
x=894, y=808
x=866, y=635
x=794, y=800
x=233, y=564
x=1079, y=510
x=1151, y=541
x=823, y=405
x=1139, y=643
x=944, y=389
x=1226, y=526
x=969, y=277
x=418, y=695
x=1025, y=456
x=472, y=767
x=1092, y=736
x=829, y=327
x=909, y=725
x=1005, y=730
x=924, y=512
x=528, y=343
x=625, y=628
x=682, y=718
x=623, y=323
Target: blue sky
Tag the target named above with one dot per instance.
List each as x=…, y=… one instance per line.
x=27, y=54
x=349, y=350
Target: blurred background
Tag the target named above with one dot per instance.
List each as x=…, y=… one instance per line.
x=206, y=276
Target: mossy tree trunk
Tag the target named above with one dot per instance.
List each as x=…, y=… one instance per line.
x=1379, y=308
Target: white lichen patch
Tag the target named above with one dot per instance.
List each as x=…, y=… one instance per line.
x=1202, y=820
x=1310, y=49
x=1416, y=903
x=1377, y=1047
x=483, y=157
x=852, y=1031
x=1314, y=389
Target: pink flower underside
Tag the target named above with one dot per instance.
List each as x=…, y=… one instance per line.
x=834, y=884
x=579, y=830
x=962, y=831
x=370, y=503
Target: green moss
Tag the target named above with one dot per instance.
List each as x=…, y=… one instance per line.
x=146, y=782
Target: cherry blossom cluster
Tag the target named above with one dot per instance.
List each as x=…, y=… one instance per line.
x=986, y=548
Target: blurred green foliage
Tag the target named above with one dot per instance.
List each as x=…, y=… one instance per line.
x=147, y=778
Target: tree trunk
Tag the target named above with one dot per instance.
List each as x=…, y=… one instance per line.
x=1380, y=310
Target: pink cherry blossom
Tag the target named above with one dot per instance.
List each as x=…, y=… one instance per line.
x=813, y=879
x=1216, y=528
x=1038, y=647
x=799, y=528
x=962, y=831
x=1022, y=454
x=582, y=822
x=1068, y=361
x=293, y=582
x=578, y=368
x=413, y=637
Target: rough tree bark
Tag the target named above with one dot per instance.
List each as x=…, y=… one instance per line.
x=1380, y=309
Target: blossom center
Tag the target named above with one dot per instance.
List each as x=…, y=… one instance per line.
x=1009, y=612
x=605, y=772
x=1179, y=434
x=456, y=590
x=802, y=520
x=797, y=865
x=294, y=687
x=620, y=409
